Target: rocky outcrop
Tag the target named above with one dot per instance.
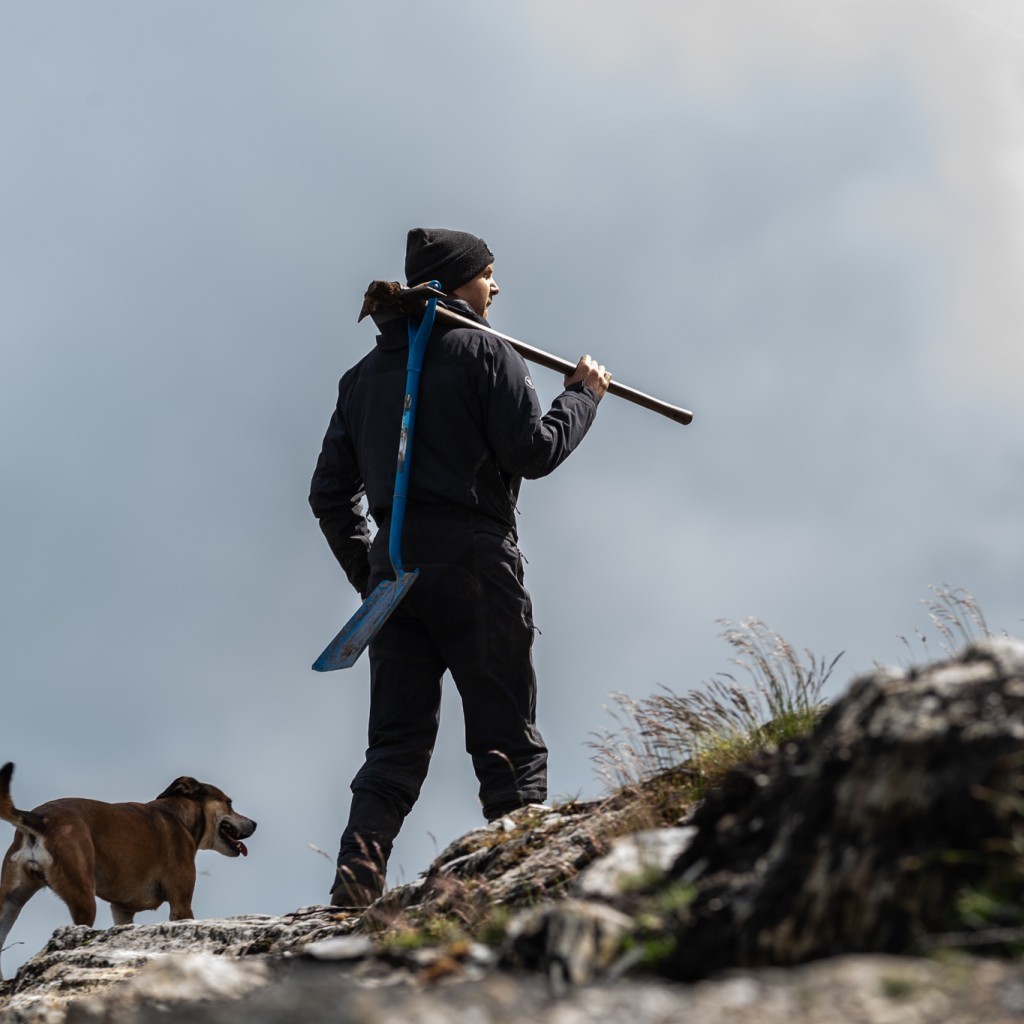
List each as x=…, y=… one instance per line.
x=79, y=964
x=868, y=835
x=865, y=990
x=895, y=827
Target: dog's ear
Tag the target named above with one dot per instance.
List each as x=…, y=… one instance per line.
x=186, y=787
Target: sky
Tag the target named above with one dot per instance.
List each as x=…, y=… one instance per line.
x=804, y=221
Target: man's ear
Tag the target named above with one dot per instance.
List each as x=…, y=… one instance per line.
x=186, y=787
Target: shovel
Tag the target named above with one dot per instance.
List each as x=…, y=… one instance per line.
x=356, y=634
x=383, y=295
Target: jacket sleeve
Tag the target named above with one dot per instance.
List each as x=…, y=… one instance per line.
x=527, y=442
x=336, y=497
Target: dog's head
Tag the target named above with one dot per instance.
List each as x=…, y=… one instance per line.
x=223, y=828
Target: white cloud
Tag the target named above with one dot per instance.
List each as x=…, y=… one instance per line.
x=963, y=60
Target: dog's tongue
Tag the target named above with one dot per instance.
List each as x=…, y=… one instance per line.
x=241, y=848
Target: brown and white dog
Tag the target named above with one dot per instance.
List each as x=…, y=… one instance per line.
x=135, y=856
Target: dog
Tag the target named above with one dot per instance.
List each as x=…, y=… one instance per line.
x=135, y=856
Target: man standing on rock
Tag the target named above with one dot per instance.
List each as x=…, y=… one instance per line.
x=480, y=431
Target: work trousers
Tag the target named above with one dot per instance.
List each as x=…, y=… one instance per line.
x=467, y=612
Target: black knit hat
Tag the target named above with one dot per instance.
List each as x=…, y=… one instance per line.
x=451, y=257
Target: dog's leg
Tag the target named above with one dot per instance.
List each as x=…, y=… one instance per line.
x=83, y=907
x=121, y=914
x=10, y=908
x=179, y=895
x=181, y=905
x=73, y=878
x=17, y=887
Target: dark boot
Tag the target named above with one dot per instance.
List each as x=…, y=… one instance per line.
x=357, y=884
x=374, y=821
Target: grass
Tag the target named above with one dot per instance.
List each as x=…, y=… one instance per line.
x=957, y=619
x=989, y=912
x=456, y=914
x=672, y=747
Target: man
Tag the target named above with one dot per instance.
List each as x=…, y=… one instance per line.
x=479, y=431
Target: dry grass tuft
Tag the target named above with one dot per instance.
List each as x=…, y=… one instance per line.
x=673, y=746
x=957, y=619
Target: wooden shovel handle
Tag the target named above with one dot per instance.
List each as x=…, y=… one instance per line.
x=563, y=366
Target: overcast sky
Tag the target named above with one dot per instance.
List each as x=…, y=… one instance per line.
x=802, y=220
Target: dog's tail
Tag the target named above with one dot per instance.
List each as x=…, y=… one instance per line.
x=25, y=820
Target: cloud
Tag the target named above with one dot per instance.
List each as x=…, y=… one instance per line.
x=962, y=61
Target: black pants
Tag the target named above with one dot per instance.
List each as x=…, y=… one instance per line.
x=469, y=613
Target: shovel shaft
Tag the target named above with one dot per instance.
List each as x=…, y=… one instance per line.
x=357, y=633
x=418, y=337
x=563, y=366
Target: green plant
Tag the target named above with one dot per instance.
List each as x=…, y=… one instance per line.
x=455, y=912
x=648, y=949
x=671, y=743
x=437, y=930
x=898, y=989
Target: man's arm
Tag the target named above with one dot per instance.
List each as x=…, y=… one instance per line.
x=336, y=497
x=527, y=442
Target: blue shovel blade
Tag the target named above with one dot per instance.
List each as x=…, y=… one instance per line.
x=357, y=633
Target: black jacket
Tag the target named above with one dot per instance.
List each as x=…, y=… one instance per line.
x=479, y=431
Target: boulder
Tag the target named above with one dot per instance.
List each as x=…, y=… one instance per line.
x=866, y=835
x=83, y=966
x=571, y=942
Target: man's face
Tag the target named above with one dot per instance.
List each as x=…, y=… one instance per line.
x=480, y=291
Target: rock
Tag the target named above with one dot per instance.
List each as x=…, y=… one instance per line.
x=80, y=962
x=861, y=837
x=865, y=989
x=339, y=947
x=531, y=854
x=180, y=978
x=572, y=942
x=635, y=861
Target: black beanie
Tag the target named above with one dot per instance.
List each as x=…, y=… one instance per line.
x=451, y=257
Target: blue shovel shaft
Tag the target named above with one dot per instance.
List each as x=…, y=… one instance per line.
x=356, y=634
x=412, y=389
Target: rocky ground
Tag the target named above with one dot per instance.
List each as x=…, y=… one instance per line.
x=871, y=872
